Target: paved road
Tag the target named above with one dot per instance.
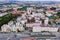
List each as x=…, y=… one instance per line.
x=5, y=36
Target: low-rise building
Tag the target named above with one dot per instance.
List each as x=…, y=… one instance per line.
x=40, y=29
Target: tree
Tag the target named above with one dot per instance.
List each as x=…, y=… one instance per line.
x=5, y=19
x=22, y=9
x=53, y=8
x=58, y=14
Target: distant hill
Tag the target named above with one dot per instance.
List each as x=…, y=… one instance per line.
x=18, y=2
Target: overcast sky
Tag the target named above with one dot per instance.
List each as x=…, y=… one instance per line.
x=39, y=0
x=33, y=0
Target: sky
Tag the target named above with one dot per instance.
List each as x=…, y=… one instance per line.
x=39, y=0
x=33, y=0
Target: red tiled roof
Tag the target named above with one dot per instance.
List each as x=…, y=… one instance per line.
x=30, y=38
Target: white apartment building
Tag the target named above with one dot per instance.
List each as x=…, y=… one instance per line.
x=5, y=28
x=29, y=10
x=39, y=29
x=2, y=14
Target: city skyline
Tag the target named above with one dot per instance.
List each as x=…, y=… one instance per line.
x=29, y=0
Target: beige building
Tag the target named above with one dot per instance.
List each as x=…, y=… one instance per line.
x=5, y=28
